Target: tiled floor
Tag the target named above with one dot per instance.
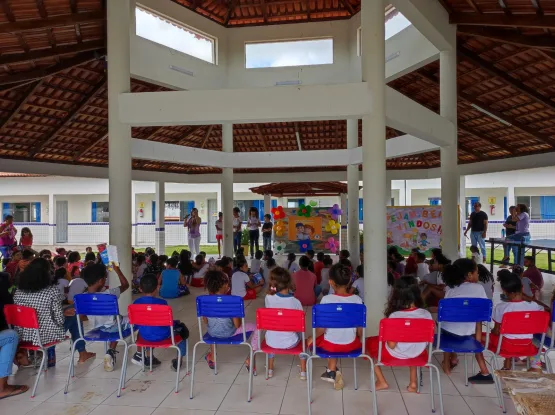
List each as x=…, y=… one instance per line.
x=94, y=391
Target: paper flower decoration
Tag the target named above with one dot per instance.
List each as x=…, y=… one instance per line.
x=279, y=228
x=278, y=212
x=332, y=226
x=335, y=211
x=304, y=211
x=304, y=246
x=331, y=244
x=280, y=247
x=313, y=203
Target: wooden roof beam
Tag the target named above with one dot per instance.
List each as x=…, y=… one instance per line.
x=52, y=52
x=261, y=137
x=69, y=118
x=474, y=6
x=28, y=93
x=54, y=21
x=503, y=20
x=187, y=136
x=91, y=145
x=504, y=36
x=494, y=71
x=206, y=136
x=232, y=5
x=349, y=6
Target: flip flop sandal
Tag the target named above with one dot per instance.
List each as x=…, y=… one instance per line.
x=210, y=362
x=453, y=365
x=85, y=361
x=17, y=390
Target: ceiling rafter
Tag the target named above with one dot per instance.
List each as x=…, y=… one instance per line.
x=349, y=6
x=41, y=8
x=497, y=19
x=261, y=137
x=53, y=21
x=505, y=36
x=230, y=10
x=70, y=117
x=99, y=138
x=207, y=136
x=53, y=52
x=190, y=133
x=25, y=97
x=472, y=4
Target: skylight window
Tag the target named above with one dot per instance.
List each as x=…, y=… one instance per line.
x=395, y=24
x=289, y=53
x=158, y=29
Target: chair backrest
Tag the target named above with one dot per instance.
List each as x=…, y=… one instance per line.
x=464, y=310
x=338, y=316
x=223, y=306
x=150, y=315
x=96, y=304
x=280, y=319
x=524, y=322
x=21, y=316
x=409, y=330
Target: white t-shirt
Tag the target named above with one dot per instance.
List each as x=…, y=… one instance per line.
x=340, y=336
x=253, y=223
x=325, y=278
x=255, y=265
x=505, y=307
x=76, y=286
x=62, y=285
x=477, y=257
x=236, y=223
x=201, y=272
x=282, y=339
x=465, y=290
x=422, y=270
x=359, y=285
x=141, y=269
x=409, y=350
x=104, y=321
x=238, y=281
x=293, y=268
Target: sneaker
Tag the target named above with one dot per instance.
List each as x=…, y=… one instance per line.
x=481, y=379
x=270, y=373
x=110, y=360
x=328, y=376
x=302, y=375
x=137, y=359
x=174, y=365
x=338, y=384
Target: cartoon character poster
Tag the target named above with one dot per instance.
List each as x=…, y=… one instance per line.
x=411, y=227
x=305, y=229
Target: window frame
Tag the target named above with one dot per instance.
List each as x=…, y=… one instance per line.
x=184, y=26
x=304, y=39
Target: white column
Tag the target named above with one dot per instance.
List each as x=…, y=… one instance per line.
x=462, y=215
x=267, y=204
x=119, y=143
x=373, y=163
x=353, y=174
x=344, y=239
x=388, y=192
x=51, y=219
x=227, y=192
x=402, y=190
x=449, y=160
x=408, y=195
x=160, y=226
x=133, y=215
x=511, y=200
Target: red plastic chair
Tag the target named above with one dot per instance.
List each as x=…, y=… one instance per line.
x=26, y=317
x=161, y=316
x=279, y=319
x=518, y=322
x=409, y=330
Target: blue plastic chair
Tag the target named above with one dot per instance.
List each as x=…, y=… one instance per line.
x=99, y=304
x=548, y=340
x=338, y=316
x=224, y=306
x=462, y=310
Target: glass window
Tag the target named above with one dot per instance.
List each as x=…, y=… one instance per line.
x=22, y=211
x=163, y=31
x=289, y=53
x=100, y=212
x=393, y=26
x=434, y=201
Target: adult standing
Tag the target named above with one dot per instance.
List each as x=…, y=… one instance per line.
x=192, y=223
x=237, y=232
x=253, y=224
x=522, y=232
x=510, y=229
x=478, y=226
x=7, y=236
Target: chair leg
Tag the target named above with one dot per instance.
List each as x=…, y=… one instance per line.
x=251, y=374
x=355, y=372
x=123, y=367
x=193, y=370
x=125, y=374
x=548, y=366
x=513, y=364
x=419, y=379
x=465, y=371
x=151, y=360
x=373, y=383
x=267, y=363
x=41, y=368
x=143, y=357
x=432, y=389
x=215, y=362
x=498, y=386
x=71, y=371
x=178, y=369
x=438, y=388
x=187, y=357
x=309, y=383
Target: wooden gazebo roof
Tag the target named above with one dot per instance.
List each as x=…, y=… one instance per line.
x=301, y=189
x=53, y=93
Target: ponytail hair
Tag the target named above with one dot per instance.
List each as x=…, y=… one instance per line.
x=455, y=274
x=280, y=279
x=291, y=257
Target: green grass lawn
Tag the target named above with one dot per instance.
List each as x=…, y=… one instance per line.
x=209, y=249
x=541, y=258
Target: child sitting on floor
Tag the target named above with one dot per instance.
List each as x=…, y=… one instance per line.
x=412, y=265
x=421, y=267
x=405, y=302
x=149, y=287
x=325, y=284
x=200, y=267
x=291, y=265
x=95, y=276
x=172, y=282
x=217, y=283
x=476, y=255
x=338, y=340
x=307, y=290
x=358, y=285
x=256, y=262
x=280, y=296
x=241, y=283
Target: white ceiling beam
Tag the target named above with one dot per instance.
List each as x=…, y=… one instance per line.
x=431, y=19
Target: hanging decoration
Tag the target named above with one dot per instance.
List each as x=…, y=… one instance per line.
x=280, y=247
x=313, y=203
x=279, y=228
x=331, y=244
x=304, y=211
x=305, y=246
x=332, y=227
x=278, y=213
x=335, y=211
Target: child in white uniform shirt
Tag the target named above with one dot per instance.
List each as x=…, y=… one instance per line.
x=461, y=280
x=358, y=285
x=338, y=340
x=240, y=281
x=405, y=302
x=280, y=296
x=422, y=268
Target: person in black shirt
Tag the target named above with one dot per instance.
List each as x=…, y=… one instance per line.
x=478, y=227
x=510, y=229
x=267, y=233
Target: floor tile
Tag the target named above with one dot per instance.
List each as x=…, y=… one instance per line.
x=18, y=407
x=181, y=411
x=55, y=408
x=45, y=390
x=421, y=403
x=360, y=402
x=122, y=410
x=264, y=400
x=482, y=405
x=207, y=396
x=325, y=401
x=142, y=393
x=87, y=391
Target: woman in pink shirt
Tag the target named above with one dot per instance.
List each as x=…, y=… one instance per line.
x=7, y=236
x=307, y=290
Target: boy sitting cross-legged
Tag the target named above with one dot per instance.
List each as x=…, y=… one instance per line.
x=149, y=287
